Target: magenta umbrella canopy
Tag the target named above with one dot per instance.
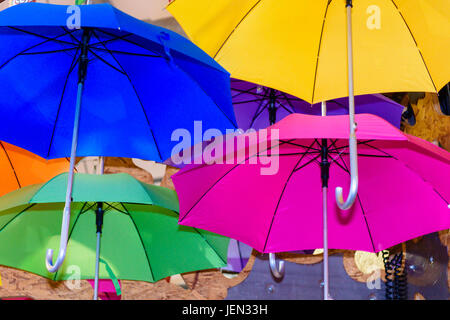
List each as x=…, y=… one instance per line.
x=403, y=184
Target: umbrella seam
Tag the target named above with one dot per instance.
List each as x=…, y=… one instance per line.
x=55, y=39
x=260, y=110
x=360, y=204
x=287, y=99
x=16, y=216
x=214, y=102
x=142, y=242
x=48, y=52
x=318, y=53
x=256, y=115
x=43, y=186
x=123, y=39
x=207, y=64
x=10, y=163
x=215, y=251
x=239, y=23
x=248, y=91
x=105, y=62
x=32, y=47
x=214, y=184
x=417, y=46
x=410, y=169
x=145, y=190
x=70, y=235
x=72, y=67
x=137, y=96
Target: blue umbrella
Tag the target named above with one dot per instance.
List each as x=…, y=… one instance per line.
x=94, y=81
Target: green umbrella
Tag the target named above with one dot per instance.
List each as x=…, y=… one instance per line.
x=141, y=238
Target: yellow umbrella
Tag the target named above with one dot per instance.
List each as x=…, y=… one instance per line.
x=308, y=49
x=305, y=47
x=300, y=46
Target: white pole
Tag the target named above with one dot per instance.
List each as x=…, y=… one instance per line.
x=347, y=204
x=66, y=214
x=97, y=256
x=97, y=264
x=326, y=291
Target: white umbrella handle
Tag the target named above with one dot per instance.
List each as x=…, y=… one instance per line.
x=63, y=244
x=277, y=271
x=66, y=213
x=347, y=204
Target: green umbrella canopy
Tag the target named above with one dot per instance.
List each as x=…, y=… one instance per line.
x=141, y=238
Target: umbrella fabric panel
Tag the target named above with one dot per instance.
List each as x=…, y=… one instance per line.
x=428, y=21
x=244, y=216
x=24, y=239
x=124, y=70
x=109, y=188
x=370, y=127
x=391, y=199
x=251, y=105
x=121, y=247
x=29, y=168
x=259, y=34
x=267, y=42
x=17, y=199
x=167, y=243
x=9, y=178
x=109, y=132
x=426, y=160
x=269, y=212
x=24, y=88
x=382, y=56
x=102, y=16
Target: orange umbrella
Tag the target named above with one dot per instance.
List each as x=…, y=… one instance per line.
x=20, y=168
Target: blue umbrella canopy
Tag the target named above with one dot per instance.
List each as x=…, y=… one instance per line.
x=141, y=82
x=94, y=81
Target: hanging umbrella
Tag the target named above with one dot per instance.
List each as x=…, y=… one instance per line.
x=404, y=182
x=93, y=81
x=258, y=107
x=300, y=46
x=305, y=48
x=20, y=168
x=141, y=239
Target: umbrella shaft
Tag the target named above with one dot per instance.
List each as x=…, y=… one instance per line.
x=99, y=223
x=325, y=173
x=351, y=90
x=97, y=263
x=325, y=244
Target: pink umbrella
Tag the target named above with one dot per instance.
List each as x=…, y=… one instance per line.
x=403, y=182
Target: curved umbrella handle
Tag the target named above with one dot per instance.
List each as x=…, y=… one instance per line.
x=62, y=246
x=347, y=204
x=66, y=213
x=277, y=271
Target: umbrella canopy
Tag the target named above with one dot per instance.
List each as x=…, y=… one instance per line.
x=403, y=183
x=20, y=168
x=141, y=82
x=258, y=107
x=300, y=46
x=141, y=238
x=94, y=81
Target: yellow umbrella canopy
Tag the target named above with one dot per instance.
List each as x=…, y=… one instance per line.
x=300, y=46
